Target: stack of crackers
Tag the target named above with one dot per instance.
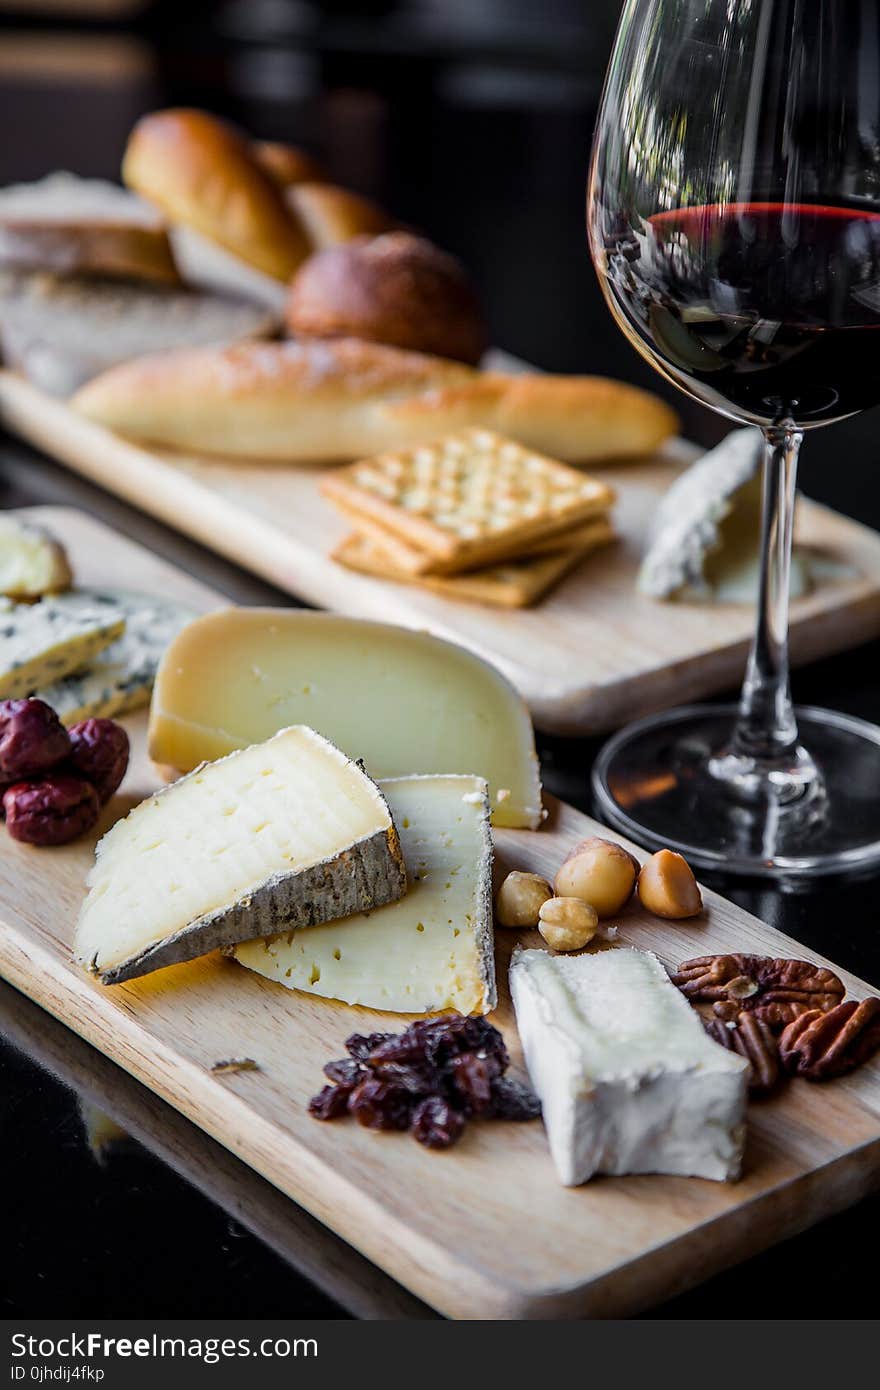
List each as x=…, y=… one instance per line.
x=472, y=516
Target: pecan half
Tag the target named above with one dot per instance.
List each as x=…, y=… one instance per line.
x=776, y=991
x=821, y=1045
x=753, y=1039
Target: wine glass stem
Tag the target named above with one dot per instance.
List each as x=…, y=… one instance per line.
x=766, y=729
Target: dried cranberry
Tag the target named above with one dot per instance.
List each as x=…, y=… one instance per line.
x=32, y=739
x=50, y=812
x=436, y=1124
x=360, y=1045
x=346, y=1071
x=419, y=1081
x=330, y=1102
x=513, y=1100
x=452, y=1034
x=402, y=1049
x=471, y=1078
x=380, y=1106
x=99, y=752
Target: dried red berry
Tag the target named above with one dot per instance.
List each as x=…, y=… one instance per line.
x=346, y=1072
x=50, y=812
x=380, y=1106
x=436, y=1124
x=471, y=1079
x=32, y=739
x=329, y=1103
x=512, y=1100
x=360, y=1045
x=99, y=752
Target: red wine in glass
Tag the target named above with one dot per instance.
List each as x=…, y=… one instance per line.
x=770, y=308
x=734, y=220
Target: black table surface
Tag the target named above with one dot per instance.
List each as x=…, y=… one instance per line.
x=472, y=121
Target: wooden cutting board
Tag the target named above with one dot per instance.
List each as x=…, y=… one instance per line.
x=593, y=655
x=482, y=1231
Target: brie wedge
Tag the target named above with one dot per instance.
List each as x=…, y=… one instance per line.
x=283, y=834
x=629, y=1080
x=433, y=950
x=706, y=541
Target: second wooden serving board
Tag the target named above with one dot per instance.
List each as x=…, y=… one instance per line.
x=483, y=1230
x=591, y=656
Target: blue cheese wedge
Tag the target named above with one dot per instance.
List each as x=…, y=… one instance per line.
x=42, y=642
x=629, y=1080
x=121, y=677
x=707, y=533
x=286, y=833
x=431, y=951
x=32, y=562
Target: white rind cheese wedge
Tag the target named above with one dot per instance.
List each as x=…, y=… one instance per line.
x=120, y=678
x=284, y=834
x=42, y=642
x=405, y=702
x=32, y=562
x=629, y=1080
x=431, y=951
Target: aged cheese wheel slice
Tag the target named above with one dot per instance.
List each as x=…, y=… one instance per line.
x=284, y=834
x=430, y=951
x=405, y=702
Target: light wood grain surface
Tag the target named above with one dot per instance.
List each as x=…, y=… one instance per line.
x=593, y=655
x=484, y=1230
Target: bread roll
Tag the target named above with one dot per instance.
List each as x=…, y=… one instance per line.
x=70, y=225
x=286, y=164
x=397, y=289
x=331, y=215
x=326, y=401
x=202, y=173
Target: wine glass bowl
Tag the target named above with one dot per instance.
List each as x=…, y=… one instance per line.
x=734, y=222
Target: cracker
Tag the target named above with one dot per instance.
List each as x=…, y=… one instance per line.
x=467, y=500
x=516, y=584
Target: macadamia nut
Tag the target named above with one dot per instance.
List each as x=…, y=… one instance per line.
x=519, y=899
x=568, y=924
x=600, y=872
x=667, y=886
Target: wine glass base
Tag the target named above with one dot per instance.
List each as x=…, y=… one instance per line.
x=652, y=781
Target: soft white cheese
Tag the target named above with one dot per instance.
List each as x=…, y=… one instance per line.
x=628, y=1078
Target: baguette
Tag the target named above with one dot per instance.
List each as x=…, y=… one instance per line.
x=341, y=399
x=202, y=173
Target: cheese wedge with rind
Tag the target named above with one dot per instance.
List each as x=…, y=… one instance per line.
x=629, y=1080
x=32, y=561
x=432, y=950
x=405, y=702
x=284, y=834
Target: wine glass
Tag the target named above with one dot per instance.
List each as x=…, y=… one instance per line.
x=734, y=222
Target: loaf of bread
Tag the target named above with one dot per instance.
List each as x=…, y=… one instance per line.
x=398, y=289
x=71, y=225
x=202, y=172
x=324, y=401
x=286, y=164
x=60, y=332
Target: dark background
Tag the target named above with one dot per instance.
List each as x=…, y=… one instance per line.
x=471, y=119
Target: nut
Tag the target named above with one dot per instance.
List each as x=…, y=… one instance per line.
x=600, y=872
x=567, y=924
x=785, y=989
x=819, y=1045
x=99, y=752
x=50, y=812
x=32, y=739
x=519, y=899
x=667, y=886
x=753, y=1039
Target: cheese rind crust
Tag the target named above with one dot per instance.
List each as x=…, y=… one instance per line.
x=629, y=1080
x=211, y=856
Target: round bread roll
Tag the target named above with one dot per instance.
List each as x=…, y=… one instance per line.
x=396, y=289
x=203, y=174
x=286, y=164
